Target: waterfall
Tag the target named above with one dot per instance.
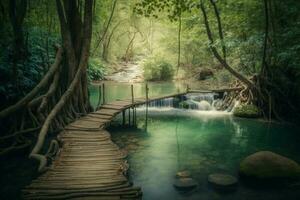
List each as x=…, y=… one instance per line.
x=194, y=101
x=200, y=101
x=165, y=103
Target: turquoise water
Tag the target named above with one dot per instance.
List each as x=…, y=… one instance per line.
x=208, y=142
x=120, y=91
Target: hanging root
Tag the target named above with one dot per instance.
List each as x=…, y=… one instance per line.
x=57, y=108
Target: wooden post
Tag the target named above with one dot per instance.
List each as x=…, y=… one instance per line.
x=103, y=95
x=134, y=111
x=123, y=117
x=99, y=97
x=129, y=117
x=133, y=116
x=132, y=101
x=132, y=95
x=147, y=99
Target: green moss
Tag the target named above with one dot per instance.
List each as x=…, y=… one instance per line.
x=184, y=105
x=247, y=111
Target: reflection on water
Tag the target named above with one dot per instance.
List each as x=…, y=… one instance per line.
x=208, y=142
x=120, y=91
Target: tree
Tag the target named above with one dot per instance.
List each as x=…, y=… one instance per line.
x=17, y=12
x=62, y=95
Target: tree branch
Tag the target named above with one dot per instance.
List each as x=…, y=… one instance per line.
x=216, y=53
x=106, y=28
x=217, y=14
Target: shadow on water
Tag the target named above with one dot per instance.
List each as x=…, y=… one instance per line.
x=209, y=142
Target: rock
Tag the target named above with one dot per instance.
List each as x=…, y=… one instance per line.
x=204, y=105
x=222, y=181
x=269, y=165
x=183, y=174
x=247, y=111
x=205, y=74
x=185, y=183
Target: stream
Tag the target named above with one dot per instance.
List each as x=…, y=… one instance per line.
x=209, y=141
x=129, y=73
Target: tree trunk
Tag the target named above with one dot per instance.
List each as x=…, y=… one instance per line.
x=106, y=28
x=179, y=42
x=106, y=45
x=17, y=14
x=222, y=61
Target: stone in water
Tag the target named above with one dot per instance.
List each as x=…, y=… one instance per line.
x=183, y=174
x=222, y=180
x=185, y=183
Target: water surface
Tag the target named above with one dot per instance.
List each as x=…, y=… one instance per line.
x=208, y=142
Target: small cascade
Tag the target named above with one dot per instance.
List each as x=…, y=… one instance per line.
x=162, y=103
x=200, y=101
x=193, y=101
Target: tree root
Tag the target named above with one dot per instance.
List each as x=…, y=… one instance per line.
x=15, y=147
x=20, y=133
x=24, y=101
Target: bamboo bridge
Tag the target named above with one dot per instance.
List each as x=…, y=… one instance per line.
x=89, y=165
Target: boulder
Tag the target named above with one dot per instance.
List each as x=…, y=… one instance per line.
x=205, y=74
x=204, y=105
x=269, y=165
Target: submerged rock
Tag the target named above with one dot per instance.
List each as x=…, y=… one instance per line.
x=269, y=165
x=183, y=174
x=222, y=181
x=185, y=183
x=247, y=111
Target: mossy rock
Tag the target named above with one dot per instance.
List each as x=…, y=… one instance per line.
x=269, y=165
x=247, y=111
x=184, y=105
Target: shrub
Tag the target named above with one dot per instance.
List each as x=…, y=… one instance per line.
x=96, y=69
x=247, y=111
x=158, y=70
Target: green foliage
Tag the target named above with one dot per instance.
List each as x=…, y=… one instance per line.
x=151, y=8
x=96, y=69
x=247, y=111
x=30, y=70
x=157, y=69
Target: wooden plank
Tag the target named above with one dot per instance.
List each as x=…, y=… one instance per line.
x=113, y=107
x=100, y=116
x=104, y=111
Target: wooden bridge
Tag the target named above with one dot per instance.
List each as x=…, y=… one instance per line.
x=89, y=165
